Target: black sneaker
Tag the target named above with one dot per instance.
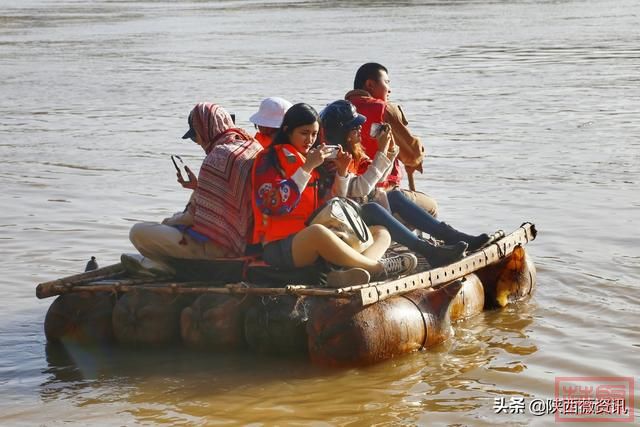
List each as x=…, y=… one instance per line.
x=484, y=240
x=478, y=242
x=437, y=256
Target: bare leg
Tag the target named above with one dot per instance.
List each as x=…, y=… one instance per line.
x=318, y=241
x=381, y=242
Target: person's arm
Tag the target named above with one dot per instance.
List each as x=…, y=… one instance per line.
x=392, y=153
x=277, y=195
x=411, y=149
x=301, y=178
x=192, y=184
x=377, y=170
x=341, y=185
x=342, y=163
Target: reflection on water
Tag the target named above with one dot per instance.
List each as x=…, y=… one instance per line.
x=453, y=379
x=444, y=380
x=528, y=111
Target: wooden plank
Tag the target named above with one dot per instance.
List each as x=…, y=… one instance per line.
x=99, y=280
x=379, y=291
x=382, y=290
x=196, y=288
x=45, y=289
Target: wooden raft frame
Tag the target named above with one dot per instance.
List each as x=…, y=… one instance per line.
x=493, y=253
x=102, y=280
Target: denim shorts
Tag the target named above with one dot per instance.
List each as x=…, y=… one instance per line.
x=279, y=253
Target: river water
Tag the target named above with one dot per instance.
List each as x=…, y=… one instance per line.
x=529, y=111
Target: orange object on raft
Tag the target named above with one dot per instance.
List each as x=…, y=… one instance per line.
x=350, y=326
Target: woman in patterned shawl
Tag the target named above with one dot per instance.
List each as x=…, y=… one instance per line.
x=218, y=221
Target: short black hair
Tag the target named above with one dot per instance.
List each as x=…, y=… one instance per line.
x=367, y=71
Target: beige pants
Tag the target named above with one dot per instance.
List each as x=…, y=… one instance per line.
x=161, y=242
x=427, y=203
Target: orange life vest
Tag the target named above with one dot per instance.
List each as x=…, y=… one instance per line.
x=373, y=109
x=268, y=228
x=264, y=140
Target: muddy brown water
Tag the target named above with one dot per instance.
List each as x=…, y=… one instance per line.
x=529, y=112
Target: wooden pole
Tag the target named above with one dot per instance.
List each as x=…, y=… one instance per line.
x=98, y=280
x=44, y=290
x=196, y=288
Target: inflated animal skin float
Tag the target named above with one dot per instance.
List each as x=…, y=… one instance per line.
x=240, y=305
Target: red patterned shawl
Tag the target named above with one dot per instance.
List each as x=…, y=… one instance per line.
x=223, y=210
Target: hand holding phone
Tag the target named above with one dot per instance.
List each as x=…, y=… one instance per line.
x=180, y=167
x=333, y=151
x=375, y=129
x=382, y=133
x=186, y=178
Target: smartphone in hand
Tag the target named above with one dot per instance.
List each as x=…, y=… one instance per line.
x=180, y=167
x=334, y=151
x=375, y=130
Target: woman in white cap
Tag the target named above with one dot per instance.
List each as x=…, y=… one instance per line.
x=268, y=118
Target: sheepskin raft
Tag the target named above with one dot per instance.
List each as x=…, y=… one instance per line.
x=274, y=312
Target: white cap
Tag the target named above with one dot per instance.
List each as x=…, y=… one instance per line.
x=271, y=112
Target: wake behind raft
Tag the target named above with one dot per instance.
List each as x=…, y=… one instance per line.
x=275, y=312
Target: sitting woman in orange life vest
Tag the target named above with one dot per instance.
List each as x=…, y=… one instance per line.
x=268, y=118
x=285, y=193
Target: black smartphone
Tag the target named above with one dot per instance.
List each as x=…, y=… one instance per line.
x=180, y=167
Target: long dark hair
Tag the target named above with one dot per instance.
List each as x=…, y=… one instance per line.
x=300, y=114
x=338, y=119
